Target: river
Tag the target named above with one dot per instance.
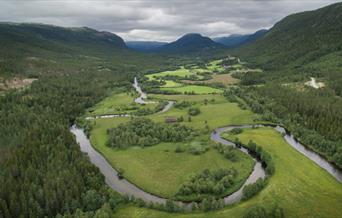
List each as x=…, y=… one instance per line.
x=125, y=187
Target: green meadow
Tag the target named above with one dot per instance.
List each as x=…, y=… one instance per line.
x=299, y=186
x=181, y=72
x=118, y=103
x=196, y=89
x=159, y=169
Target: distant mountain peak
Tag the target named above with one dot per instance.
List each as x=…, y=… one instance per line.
x=190, y=42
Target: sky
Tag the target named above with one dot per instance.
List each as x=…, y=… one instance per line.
x=157, y=20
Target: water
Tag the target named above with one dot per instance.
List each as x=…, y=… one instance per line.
x=125, y=187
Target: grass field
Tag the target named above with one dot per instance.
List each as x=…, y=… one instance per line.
x=118, y=103
x=192, y=98
x=171, y=84
x=160, y=170
x=213, y=115
x=194, y=88
x=299, y=186
x=215, y=66
x=182, y=72
x=225, y=79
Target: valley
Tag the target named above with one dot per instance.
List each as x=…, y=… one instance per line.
x=150, y=109
x=159, y=171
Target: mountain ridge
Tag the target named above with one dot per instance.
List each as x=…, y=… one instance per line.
x=236, y=40
x=190, y=43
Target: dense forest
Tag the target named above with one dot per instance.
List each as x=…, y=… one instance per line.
x=313, y=116
x=42, y=166
x=144, y=132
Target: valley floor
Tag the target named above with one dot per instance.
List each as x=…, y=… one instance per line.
x=299, y=186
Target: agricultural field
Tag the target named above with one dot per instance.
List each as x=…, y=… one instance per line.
x=225, y=79
x=215, y=66
x=171, y=84
x=182, y=72
x=195, y=89
x=299, y=186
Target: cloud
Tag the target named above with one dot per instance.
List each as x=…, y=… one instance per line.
x=157, y=20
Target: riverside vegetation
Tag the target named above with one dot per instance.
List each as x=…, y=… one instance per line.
x=78, y=73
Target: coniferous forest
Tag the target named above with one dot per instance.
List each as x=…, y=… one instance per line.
x=204, y=137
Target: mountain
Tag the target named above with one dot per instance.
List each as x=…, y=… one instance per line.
x=35, y=38
x=190, y=43
x=39, y=49
x=144, y=45
x=236, y=40
x=308, y=41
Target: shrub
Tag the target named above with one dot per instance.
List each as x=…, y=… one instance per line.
x=209, y=182
x=252, y=189
x=193, y=111
x=236, y=131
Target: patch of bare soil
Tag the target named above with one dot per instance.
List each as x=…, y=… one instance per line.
x=14, y=83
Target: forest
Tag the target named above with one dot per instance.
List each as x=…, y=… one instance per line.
x=313, y=116
x=209, y=182
x=144, y=132
x=42, y=166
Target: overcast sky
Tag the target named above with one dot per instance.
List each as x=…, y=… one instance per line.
x=161, y=20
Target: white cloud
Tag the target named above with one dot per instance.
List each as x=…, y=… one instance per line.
x=157, y=20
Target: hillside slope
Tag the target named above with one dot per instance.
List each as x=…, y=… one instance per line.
x=144, y=45
x=236, y=40
x=299, y=39
x=30, y=37
x=33, y=50
x=190, y=43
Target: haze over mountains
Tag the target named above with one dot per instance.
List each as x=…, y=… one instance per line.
x=236, y=40
x=232, y=41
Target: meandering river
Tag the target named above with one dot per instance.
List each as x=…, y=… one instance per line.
x=125, y=187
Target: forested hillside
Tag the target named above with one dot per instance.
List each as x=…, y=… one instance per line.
x=237, y=40
x=299, y=40
x=33, y=50
x=42, y=168
x=301, y=46
x=190, y=43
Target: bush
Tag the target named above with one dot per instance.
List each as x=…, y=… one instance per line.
x=265, y=157
x=182, y=104
x=256, y=212
x=197, y=148
x=179, y=149
x=236, y=131
x=209, y=182
x=193, y=111
x=261, y=212
x=228, y=152
x=252, y=189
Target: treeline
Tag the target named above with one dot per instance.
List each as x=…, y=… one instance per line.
x=43, y=172
x=259, y=211
x=209, y=182
x=148, y=111
x=144, y=132
x=312, y=116
x=253, y=189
